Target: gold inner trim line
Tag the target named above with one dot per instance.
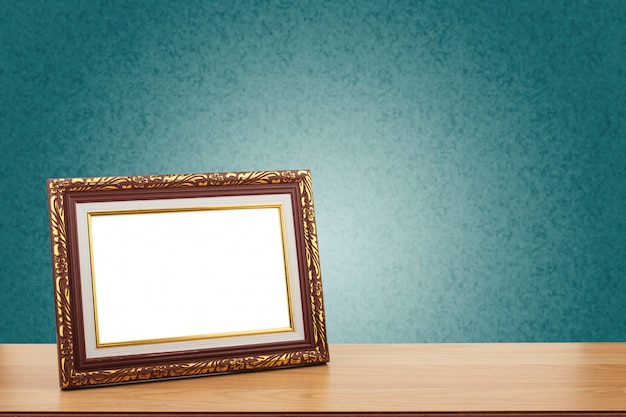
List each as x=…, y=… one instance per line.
x=251, y=332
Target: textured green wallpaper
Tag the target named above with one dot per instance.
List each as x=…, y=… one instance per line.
x=468, y=157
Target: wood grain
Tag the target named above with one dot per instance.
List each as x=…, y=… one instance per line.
x=475, y=379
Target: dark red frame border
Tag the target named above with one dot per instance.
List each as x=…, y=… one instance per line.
x=76, y=370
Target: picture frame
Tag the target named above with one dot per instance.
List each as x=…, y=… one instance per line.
x=173, y=276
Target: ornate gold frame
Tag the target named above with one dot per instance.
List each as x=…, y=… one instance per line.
x=77, y=369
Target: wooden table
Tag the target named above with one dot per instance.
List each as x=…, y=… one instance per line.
x=409, y=379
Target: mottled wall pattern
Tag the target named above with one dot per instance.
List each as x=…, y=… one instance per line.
x=468, y=157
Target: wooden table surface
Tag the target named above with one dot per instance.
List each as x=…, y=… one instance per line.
x=428, y=379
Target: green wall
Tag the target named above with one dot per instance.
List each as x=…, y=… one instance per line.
x=468, y=157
